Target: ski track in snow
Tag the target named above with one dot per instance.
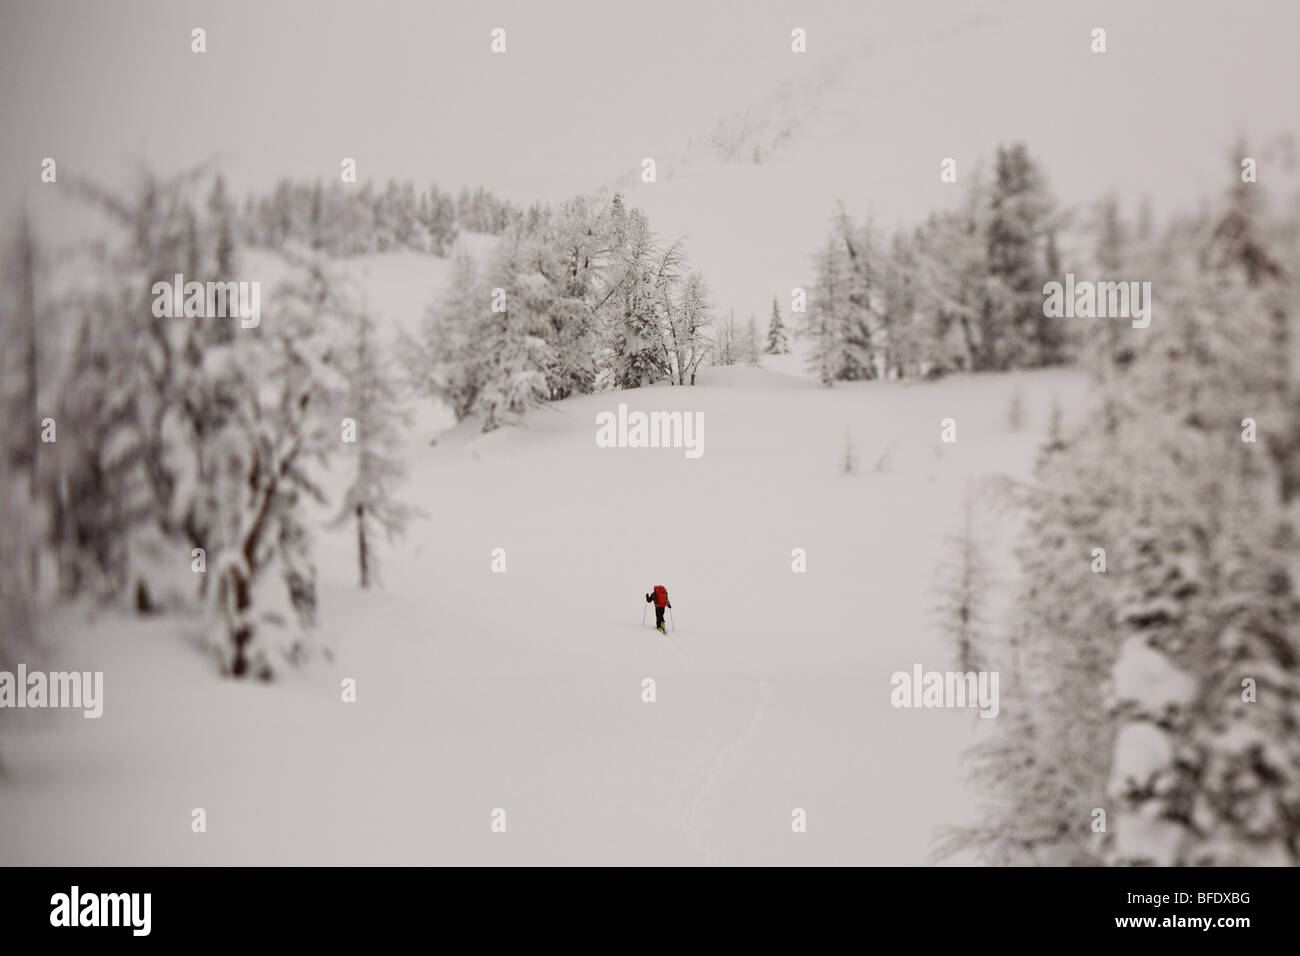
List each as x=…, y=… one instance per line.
x=710, y=787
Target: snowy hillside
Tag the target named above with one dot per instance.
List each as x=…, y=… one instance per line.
x=523, y=690
x=870, y=128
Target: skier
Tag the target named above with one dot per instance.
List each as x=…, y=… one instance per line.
x=660, y=598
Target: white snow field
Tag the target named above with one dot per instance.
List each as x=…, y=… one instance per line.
x=523, y=690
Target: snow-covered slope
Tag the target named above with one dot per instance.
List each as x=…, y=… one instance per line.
x=523, y=690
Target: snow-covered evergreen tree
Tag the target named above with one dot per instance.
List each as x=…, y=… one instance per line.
x=573, y=246
x=260, y=554
x=513, y=354
x=689, y=323
x=952, y=275
x=966, y=579
x=856, y=310
x=637, y=338
x=222, y=212
x=1015, y=330
x=777, y=341
x=750, y=350
x=827, y=306
x=484, y=350
x=127, y=393
x=904, y=350
x=445, y=362
x=726, y=342
x=374, y=404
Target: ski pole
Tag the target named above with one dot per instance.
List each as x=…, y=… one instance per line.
x=672, y=620
x=643, y=608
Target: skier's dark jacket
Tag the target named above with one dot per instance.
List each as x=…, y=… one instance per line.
x=653, y=596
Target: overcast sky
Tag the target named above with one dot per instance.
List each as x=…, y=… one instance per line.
x=411, y=89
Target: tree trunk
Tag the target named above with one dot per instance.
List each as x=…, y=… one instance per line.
x=969, y=342
x=363, y=555
x=242, y=632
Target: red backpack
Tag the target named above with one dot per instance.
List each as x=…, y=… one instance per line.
x=661, y=595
